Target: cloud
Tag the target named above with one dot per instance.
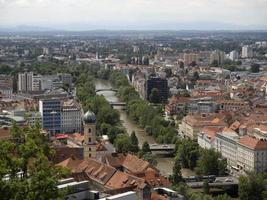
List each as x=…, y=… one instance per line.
x=132, y=12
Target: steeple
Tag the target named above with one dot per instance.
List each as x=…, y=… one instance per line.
x=89, y=145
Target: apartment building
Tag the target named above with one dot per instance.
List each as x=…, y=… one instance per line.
x=247, y=51
x=233, y=105
x=226, y=144
x=206, y=138
x=71, y=120
x=192, y=124
x=252, y=154
x=190, y=57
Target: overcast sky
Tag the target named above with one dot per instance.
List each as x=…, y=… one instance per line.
x=134, y=14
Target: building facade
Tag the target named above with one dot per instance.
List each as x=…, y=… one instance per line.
x=71, y=120
x=50, y=110
x=252, y=154
x=226, y=144
x=25, y=81
x=247, y=51
x=160, y=84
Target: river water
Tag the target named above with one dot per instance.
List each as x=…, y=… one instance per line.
x=165, y=164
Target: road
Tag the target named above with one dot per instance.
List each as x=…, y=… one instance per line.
x=220, y=181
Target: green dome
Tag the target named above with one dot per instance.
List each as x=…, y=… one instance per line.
x=89, y=117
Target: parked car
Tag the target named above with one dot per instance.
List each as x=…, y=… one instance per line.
x=218, y=180
x=228, y=180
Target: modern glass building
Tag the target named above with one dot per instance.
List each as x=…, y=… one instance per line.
x=50, y=110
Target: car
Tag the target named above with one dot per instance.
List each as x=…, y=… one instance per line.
x=228, y=180
x=218, y=180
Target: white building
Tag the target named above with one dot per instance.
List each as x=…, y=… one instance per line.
x=206, y=138
x=6, y=91
x=71, y=118
x=226, y=144
x=247, y=51
x=233, y=55
x=46, y=84
x=25, y=81
x=252, y=154
x=36, y=83
x=28, y=82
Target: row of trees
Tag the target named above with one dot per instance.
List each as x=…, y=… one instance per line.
x=147, y=116
x=204, y=161
x=107, y=118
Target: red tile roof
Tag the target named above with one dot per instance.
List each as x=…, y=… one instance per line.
x=253, y=143
x=123, y=180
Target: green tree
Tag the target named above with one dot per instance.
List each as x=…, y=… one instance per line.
x=154, y=96
x=206, y=187
x=28, y=153
x=177, y=175
x=149, y=157
x=253, y=186
x=255, y=68
x=134, y=139
x=146, y=148
x=188, y=153
x=209, y=162
x=134, y=142
x=122, y=144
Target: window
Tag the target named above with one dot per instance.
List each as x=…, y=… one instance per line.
x=89, y=130
x=89, y=155
x=89, y=149
x=89, y=140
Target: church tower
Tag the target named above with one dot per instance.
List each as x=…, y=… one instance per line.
x=89, y=144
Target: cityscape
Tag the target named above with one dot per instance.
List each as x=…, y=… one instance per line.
x=148, y=111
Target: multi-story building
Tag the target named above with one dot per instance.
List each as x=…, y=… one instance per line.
x=6, y=91
x=33, y=118
x=160, y=84
x=192, y=124
x=25, y=81
x=28, y=82
x=252, y=154
x=247, y=51
x=206, y=138
x=36, y=83
x=50, y=110
x=190, y=57
x=226, y=144
x=218, y=56
x=232, y=105
x=71, y=120
x=233, y=55
x=202, y=105
x=65, y=78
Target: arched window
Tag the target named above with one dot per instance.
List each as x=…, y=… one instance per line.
x=89, y=130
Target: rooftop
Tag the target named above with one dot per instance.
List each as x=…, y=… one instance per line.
x=253, y=143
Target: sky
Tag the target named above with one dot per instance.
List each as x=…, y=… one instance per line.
x=135, y=14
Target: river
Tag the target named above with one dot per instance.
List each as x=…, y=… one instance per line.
x=165, y=164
